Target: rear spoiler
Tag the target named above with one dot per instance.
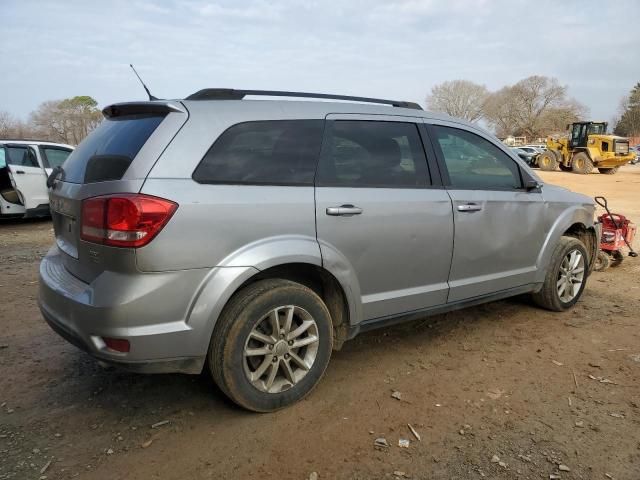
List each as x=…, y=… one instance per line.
x=141, y=108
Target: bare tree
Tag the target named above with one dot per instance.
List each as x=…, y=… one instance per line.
x=13, y=128
x=458, y=98
x=535, y=107
x=68, y=120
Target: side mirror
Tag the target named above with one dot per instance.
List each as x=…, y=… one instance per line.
x=532, y=184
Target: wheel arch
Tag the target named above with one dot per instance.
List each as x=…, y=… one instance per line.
x=323, y=283
x=575, y=222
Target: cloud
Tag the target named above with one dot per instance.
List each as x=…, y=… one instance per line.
x=395, y=49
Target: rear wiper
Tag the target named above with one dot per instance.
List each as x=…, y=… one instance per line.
x=56, y=174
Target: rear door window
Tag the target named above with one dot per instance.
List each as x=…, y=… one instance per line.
x=276, y=152
x=374, y=154
x=475, y=163
x=109, y=150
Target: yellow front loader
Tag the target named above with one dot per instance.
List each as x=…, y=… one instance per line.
x=586, y=147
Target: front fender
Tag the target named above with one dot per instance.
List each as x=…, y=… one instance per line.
x=577, y=214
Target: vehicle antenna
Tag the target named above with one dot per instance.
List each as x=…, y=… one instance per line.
x=151, y=97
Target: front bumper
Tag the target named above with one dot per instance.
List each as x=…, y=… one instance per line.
x=612, y=160
x=149, y=310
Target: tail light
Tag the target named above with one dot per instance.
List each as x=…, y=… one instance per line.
x=124, y=220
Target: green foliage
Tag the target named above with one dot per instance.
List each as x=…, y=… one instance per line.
x=629, y=123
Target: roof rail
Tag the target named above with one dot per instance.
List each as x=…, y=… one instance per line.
x=231, y=94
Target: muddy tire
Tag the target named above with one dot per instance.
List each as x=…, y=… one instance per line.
x=547, y=161
x=602, y=261
x=616, y=258
x=271, y=345
x=566, y=276
x=581, y=163
x=608, y=171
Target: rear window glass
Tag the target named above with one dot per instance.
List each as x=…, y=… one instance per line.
x=277, y=152
x=109, y=150
x=55, y=157
x=370, y=154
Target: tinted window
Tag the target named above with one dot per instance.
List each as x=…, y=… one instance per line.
x=476, y=163
x=373, y=154
x=21, y=156
x=277, y=152
x=3, y=160
x=55, y=157
x=109, y=150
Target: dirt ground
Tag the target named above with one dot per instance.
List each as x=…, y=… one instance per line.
x=504, y=390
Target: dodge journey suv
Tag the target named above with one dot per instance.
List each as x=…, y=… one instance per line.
x=254, y=236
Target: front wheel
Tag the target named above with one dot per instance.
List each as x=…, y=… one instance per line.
x=271, y=345
x=566, y=276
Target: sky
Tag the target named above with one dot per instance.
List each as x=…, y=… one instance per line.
x=395, y=49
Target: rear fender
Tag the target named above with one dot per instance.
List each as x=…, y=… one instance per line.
x=240, y=266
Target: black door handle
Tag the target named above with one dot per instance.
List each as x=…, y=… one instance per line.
x=20, y=172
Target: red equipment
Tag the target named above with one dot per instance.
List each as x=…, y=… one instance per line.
x=617, y=232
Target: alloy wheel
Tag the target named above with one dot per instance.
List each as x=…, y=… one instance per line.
x=570, y=276
x=281, y=349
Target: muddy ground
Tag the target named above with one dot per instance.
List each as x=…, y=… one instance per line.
x=508, y=382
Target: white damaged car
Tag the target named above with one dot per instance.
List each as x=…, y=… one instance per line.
x=24, y=168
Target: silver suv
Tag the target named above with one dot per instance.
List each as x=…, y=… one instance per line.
x=254, y=237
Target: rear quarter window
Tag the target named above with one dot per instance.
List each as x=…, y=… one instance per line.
x=275, y=152
x=55, y=157
x=109, y=150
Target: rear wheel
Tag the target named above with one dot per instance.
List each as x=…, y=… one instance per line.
x=271, y=345
x=616, y=258
x=581, y=163
x=608, y=171
x=566, y=276
x=602, y=261
x=547, y=161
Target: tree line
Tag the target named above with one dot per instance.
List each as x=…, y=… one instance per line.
x=628, y=123
x=536, y=106
x=64, y=121
x=533, y=107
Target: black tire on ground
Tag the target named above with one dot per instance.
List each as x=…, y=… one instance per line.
x=616, y=258
x=608, y=171
x=548, y=296
x=242, y=313
x=602, y=261
x=565, y=168
x=581, y=163
x=547, y=161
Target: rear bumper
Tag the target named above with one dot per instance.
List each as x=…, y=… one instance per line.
x=149, y=310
